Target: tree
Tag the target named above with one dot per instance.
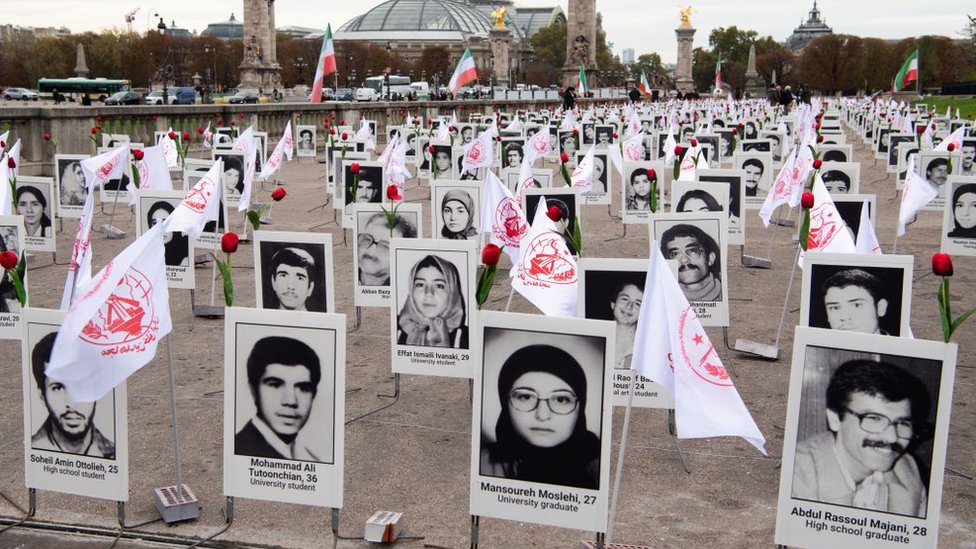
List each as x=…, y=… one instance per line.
x=778, y=59
x=549, y=45
x=434, y=60
x=833, y=63
x=653, y=68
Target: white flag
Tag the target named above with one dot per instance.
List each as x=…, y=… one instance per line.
x=246, y=144
x=108, y=165
x=396, y=165
x=537, y=146
x=583, y=174
x=153, y=173
x=546, y=274
x=79, y=267
x=200, y=204
x=284, y=148
x=169, y=150
x=634, y=148
x=479, y=152
x=955, y=138
x=515, y=125
x=672, y=349
x=916, y=193
x=115, y=323
x=867, y=240
x=828, y=231
x=208, y=136
x=502, y=217
x=790, y=176
x=669, y=145
x=365, y=134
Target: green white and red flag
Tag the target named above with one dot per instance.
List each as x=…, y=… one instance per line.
x=644, y=87
x=581, y=84
x=326, y=65
x=908, y=72
x=465, y=72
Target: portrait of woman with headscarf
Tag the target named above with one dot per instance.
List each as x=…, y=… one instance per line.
x=541, y=434
x=434, y=313
x=963, y=209
x=457, y=212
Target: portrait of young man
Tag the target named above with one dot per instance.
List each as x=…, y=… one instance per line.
x=293, y=277
x=836, y=181
x=69, y=426
x=968, y=149
x=698, y=261
x=868, y=299
x=305, y=144
x=878, y=418
x=283, y=376
x=232, y=178
x=638, y=191
x=754, y=169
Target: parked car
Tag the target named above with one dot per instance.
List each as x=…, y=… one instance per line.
x=243, y=97
x=366, y=94
x=124, y=98
x=156, y=98
x=174, y=96
x=343, y=94
x=421, y=90
x=20, y=93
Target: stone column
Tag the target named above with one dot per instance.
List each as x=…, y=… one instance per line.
x=500, y=42
x=683, y=77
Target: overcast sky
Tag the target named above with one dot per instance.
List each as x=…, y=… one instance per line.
x=644, y=25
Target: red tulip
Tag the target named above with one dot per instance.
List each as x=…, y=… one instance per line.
x=735, y=131
x=11, y=163
x=342, y=121
x=554, y=213
x=678, y=150
x=354, y=168
x=806, y=200
x=172, y=135
x=694, y=142
x=614, y=135
x=231, y=122
x=920, y=130
x=817, y=163
x=942, y=264
x=564, y=158
x=152, y=117
x=98, y=118
x=490, y=254
x=186, y=136
x=229, y=242
x=94, y=130
x=651, y=174
x=393, y=193
x=138, y=154
x=8, y=260
x=575, y=131
x=46, y=136
x=345, y=136
x=430, y=149
x=332, y=131
x=200, y=130
x=951, y=147
x=278, y=194
x=820, y=139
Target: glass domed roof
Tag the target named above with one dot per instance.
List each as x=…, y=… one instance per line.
x=435, y=16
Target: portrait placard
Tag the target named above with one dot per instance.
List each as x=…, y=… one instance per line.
x=72, y=448
x=71, y=190
x=862, y=293
x=841, y=177
x=284, y=405
x=701, y=196
x=865, y=441
x=600, y=190
x=511, y=152
x=551, y=465
x=732, y=179
x=114, y=188
x=776, y=140
x=441, y=161
x=294, y=271
x=260, y=150
x=455, y=210
x=369, y=189
x=35, y=203
x=613, y=289
x=894, y=141
x=564, y=198
x=636, y=188
x=212, y=230
x=232, y=179
x=695, y=247
x=472, y=174
x=152, y=207
x=541, y=179
x=568, y=145
x=11, y=240
x=758, y=169
x=850, y=206
x=836, y=153
x=959, y=216
x=968, y=151
x=305, y=142
x=933, y=166
x=434, y=305
x=336, y=169
x=371, y=249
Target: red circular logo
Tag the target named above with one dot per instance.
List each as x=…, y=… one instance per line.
x=697, y=353
x=126, y=316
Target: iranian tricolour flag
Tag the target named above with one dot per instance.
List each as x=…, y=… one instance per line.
x=908, y=72
x=326, y=65
x=718, y=73
x=464, y=73
x=581, y=85
x=644, y=87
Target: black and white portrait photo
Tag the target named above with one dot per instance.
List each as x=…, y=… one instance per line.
x=441, y=162
x=11, y=240
x=370, y=189
x=604, y=136
x=512, y=153
x=232, y=179
x=70, y=184
x=894, y=141
x=850, y=207
x=34, y=201
x=371, y=249
x=540, y=179
x=967, y=167
x=568, y=144
x=58, y=427
x=934, y=168
x=733, y=180
x=284, y=401
x=293, y=271
x=869, y=294
x=305, y=140
x=639, y=183
x=541, y=414
x=456, y=212
x=865, y=437
x=841, y=177
x=694, y=246
x=959, y=217
x=758, y=168
x=433, y=302
x=835, y=153
x=153, y=207
x=470, y=174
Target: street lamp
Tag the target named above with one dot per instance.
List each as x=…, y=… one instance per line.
x=149, y=15
x=300, y=64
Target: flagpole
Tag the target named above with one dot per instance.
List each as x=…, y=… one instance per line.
x=620, y=457
x=176, y=427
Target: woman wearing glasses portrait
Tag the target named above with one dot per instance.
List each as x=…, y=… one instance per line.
x=541, y=434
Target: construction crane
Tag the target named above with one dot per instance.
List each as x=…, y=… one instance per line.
x=129, y=18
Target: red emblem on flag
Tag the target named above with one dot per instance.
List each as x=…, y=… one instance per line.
x=825, y=225
x=547, y=262
x=127, y=316
x=509, y=225
x=697, y=353
x=475, y=153
x=196, y=200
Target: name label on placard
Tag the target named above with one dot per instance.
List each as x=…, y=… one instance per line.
x=539, y=498
x=864, y=527
x=283, y=475
x=78, y=466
